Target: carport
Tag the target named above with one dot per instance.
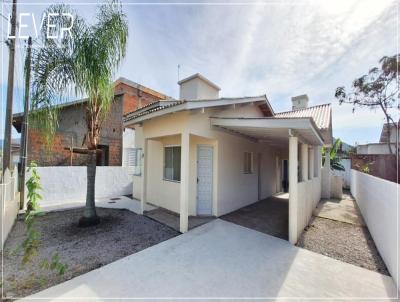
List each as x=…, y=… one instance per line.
x=269, y=216
x=301, y=141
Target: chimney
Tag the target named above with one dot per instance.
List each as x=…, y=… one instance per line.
x=299, y=102
x=197, y=87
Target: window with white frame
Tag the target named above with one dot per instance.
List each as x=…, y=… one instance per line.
x=133, y=160
x=248, y=163
x=172, y=163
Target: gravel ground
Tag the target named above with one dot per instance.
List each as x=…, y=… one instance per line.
x=119, y=234
x=343, y=241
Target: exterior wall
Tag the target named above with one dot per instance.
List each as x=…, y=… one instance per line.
x=134, y=98
x=309, y=194
x=9, y=203
x=346, y=174
x=378, y=148
x=72, y=130
x=197, y=89
x=378, y=202
x=326, y=180
x=379, y=165
x=68, y=184
x=232, y=189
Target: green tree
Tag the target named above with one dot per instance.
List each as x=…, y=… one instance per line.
x=82, y=62
x=379, y=88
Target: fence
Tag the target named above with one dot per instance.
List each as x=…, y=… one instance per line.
x=309, y=194
x=378, y=200
x=9, y=202
x=380, y=165
x=346, y=174
x=67, y=184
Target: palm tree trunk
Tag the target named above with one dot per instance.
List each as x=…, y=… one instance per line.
x=89, y=216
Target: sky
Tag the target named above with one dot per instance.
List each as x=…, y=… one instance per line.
x=278, y=48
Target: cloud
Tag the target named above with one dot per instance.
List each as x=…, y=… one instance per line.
x=281, y=48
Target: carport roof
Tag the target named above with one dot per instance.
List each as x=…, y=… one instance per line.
x=272, y=129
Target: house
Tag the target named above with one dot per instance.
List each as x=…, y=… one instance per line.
x=209, y=155
x=115, y=141
x=376, y=158
x=391, y=136
x=15, y=150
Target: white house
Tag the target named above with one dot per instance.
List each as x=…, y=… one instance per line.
x=210, y=155
x=382, y=147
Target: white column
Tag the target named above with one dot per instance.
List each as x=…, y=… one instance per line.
x=293, y=206
x=318, y=160
x=304, y=162
x=277, y=174
x=326, y=176
x=311, y=160
x=143, y=193
x=184, y=186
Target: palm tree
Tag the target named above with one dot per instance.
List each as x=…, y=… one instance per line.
x=82, y=63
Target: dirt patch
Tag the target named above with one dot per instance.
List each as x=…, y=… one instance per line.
x=343, y=241
x=119, y=234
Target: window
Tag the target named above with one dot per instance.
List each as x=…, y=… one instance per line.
x=133, y=160
x=172, y=163
x=248, y=163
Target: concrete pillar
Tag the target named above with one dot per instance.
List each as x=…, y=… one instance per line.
x=278, y=174
x=326, y=177
x=143, y=193
x=184, y=186
x=293, y=182
x=311, y=160
x=304, y=162
x=318, y=160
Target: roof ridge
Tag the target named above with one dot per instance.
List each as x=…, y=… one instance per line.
x=319, y=105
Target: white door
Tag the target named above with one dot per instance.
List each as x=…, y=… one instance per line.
x=204, y=180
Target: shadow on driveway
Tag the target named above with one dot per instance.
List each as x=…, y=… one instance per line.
x=269, y=216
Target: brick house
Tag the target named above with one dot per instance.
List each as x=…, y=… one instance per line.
x=70, y=134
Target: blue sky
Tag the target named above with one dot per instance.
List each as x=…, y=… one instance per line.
x=278, y=48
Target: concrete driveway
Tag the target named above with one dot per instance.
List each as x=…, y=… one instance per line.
x=221, y=259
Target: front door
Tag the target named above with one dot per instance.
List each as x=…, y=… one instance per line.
x=204, y=180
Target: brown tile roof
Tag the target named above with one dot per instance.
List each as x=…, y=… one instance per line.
x=321, y=114
x=150, y=108
x=164, y=104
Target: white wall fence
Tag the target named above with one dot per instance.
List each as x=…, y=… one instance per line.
x=9, y=200
x=346, y=174
x=378, y=200
x=66, y=184
x=309, y=194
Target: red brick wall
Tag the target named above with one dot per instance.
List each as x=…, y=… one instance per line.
x=54, y=155
x=134, y=98
x=380, y=165
x=72, y=129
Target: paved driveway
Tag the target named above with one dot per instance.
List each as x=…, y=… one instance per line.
x=221, y=259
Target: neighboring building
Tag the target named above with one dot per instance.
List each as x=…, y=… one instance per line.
x=376, y=158
x=15, y=147
x=70, y=135
x=15, y=150
x=382, y=147
x=206, y=155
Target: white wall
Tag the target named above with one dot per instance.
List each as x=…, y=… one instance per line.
x=346, y=174
x=65, y=184
x=308, y=196
x=375, y=148
x=232, y=189
x=9, y=203
x=197, y=89
x=378, y=200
